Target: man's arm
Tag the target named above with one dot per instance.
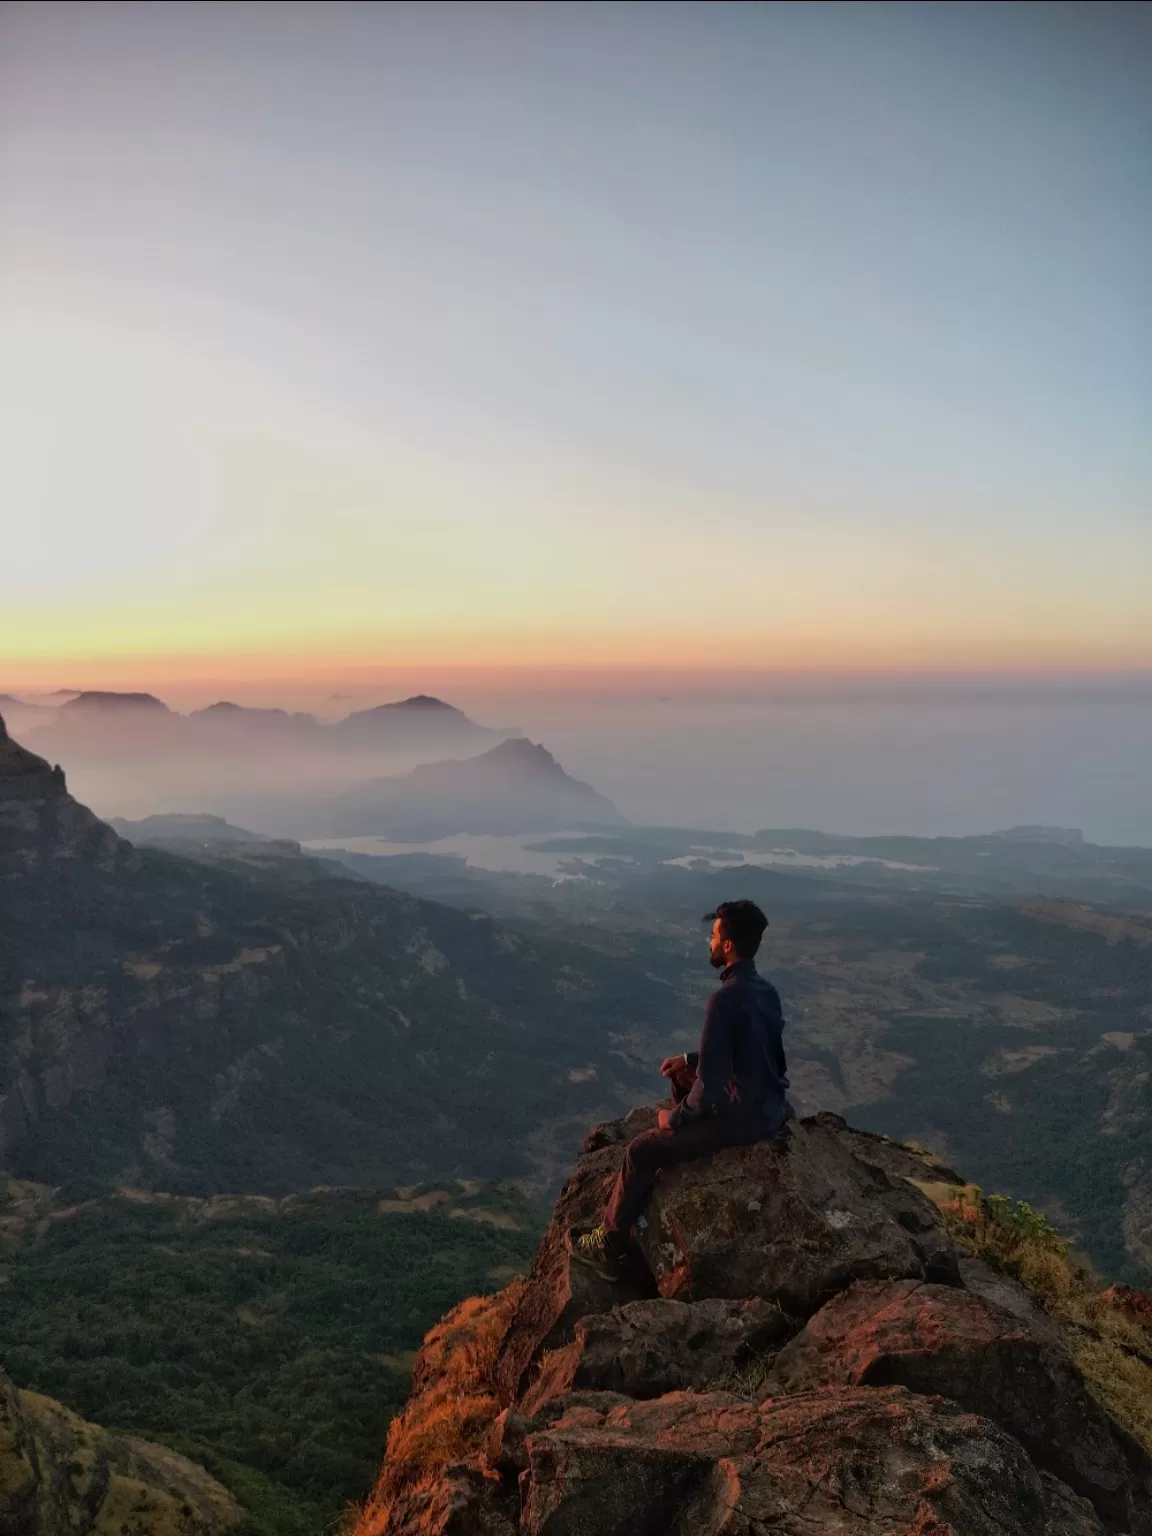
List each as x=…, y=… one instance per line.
x=714, y=1067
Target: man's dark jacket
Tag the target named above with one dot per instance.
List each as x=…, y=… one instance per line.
x=740, y=1069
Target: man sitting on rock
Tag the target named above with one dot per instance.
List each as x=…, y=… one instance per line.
x=729, y=1094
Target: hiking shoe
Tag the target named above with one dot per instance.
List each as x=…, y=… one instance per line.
x=597, y=1250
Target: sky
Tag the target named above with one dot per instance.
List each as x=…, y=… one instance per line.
x=578, y=340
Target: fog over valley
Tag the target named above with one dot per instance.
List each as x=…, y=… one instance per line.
x=924, y=760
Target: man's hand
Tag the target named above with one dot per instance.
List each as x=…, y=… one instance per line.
x=664, y=1119
x=671, y=1065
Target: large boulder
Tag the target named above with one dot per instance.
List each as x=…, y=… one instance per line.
x=792, y=1221
x=857, y=1462
x=934, y=1339
x=648, y=1348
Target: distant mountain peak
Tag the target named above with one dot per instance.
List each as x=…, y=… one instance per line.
x=97, y=699
x=419, y=703
x=226, y=710
x=423, y=701
x=421, y=720
x=517, y=756
x=531, y=754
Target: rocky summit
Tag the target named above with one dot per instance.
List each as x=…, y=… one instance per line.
x=805, y=1352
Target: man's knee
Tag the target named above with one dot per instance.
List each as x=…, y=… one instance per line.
x=647, y=1152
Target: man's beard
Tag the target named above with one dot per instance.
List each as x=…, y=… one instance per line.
x=717, y=962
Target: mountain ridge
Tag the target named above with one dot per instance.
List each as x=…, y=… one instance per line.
x=97, y=699
x=224, y=1025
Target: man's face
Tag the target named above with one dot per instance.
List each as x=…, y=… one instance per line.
x=716, y=955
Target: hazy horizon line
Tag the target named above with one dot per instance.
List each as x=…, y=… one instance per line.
x=352, y=686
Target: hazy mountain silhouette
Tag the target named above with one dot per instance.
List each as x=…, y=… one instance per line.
x=421, y=720
x=419, y=724
x=176, y=827
x=108, y=702
x=25, y=716
x=132, y=754
x=242, y=721
x=517, y=786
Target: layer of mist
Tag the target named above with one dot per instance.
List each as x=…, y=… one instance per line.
x=920, y=762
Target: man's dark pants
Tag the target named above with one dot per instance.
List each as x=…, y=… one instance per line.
x=648, y=1153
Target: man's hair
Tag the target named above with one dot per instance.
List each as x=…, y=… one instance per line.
x=743, y=923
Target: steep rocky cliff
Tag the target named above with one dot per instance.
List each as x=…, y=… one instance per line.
x=40, y=822
x=60, y=1476
x=809, y=1352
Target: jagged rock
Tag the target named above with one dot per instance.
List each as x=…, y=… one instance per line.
x=60, y=1475
x=935, y=1339
x=1068, y=1513
x=506, y=1451
x=463, y=1502
x=859, y=1462
x=793, y=1221
x=558, y=1293
x=1000, y=1290
x=648, y=1348
x=895, y=1157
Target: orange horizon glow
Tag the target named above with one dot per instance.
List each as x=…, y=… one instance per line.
x=255, y=674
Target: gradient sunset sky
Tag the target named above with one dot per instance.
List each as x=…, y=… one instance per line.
x=583, y=336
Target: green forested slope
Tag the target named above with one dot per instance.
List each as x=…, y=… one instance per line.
x=202, y=1030
x=268, y=1341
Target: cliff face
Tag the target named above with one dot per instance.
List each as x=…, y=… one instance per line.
x=809, y=1352
x=41, y=823
x=60, y=1475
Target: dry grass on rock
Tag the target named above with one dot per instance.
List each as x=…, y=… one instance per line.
x=1110, y=1344
x=451, y=1409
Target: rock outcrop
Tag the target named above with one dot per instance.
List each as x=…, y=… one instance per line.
x=805, y=1352
x=39, y=820
x=60, y=1476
